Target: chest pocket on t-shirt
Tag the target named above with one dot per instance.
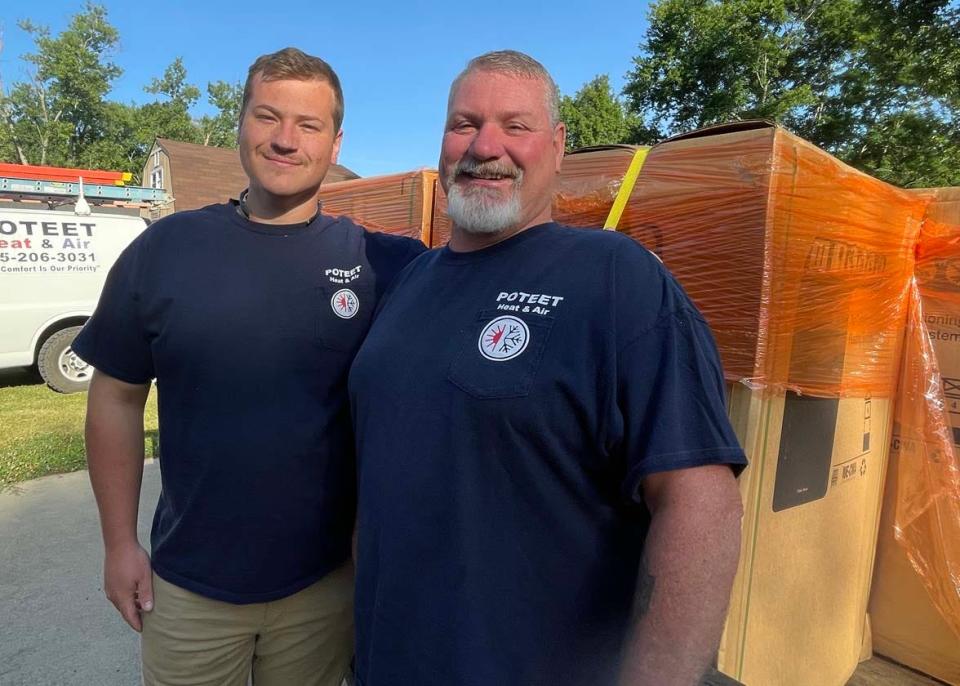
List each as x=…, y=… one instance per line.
x=499, y=355
x=344, y=316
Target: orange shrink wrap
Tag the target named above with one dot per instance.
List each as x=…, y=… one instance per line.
x=589, y=181
x=400, y=204
x=787, y=251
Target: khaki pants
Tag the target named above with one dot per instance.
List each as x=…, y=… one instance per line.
x=303, y=640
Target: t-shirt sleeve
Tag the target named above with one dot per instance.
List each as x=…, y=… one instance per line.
x=114, y=339
x=670, y=388
x=409, y=250
x=414, y=249
x=388, y=255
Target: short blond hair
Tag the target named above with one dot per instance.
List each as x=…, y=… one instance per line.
x=296, y=65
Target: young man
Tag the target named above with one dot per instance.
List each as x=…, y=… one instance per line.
x=547, y=491
x=248, y=315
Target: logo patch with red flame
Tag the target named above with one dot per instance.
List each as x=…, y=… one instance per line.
x=344, y=303
x=504, y=338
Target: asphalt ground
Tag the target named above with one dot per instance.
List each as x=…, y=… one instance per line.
x=56, y=626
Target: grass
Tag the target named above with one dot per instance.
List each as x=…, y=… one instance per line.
x=41, y=432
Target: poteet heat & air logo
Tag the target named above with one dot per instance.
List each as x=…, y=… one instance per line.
x=344, y=303
x=504, y=338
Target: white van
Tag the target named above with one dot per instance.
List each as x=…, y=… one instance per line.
x=52, y=268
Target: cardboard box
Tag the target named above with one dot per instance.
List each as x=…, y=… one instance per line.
x=907, y=627
x=799, y=263
x=798, y=605
x=397, y=203
x=781, y=244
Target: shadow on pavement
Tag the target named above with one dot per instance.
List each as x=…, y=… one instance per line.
x=20, y=376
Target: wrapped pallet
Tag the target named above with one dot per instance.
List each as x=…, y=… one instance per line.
x=800, y=264
x=915, y=602
x=400, y=204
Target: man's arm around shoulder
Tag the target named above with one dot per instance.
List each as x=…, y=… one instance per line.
x=689, y=561
x=114, y=439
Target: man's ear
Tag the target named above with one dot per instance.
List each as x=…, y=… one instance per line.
x=559, y=143
x=335, y=152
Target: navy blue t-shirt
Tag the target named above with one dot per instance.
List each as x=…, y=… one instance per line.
x=507, y=404
x=250, y=330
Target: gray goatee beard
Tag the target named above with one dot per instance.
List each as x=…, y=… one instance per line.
x=482, y=211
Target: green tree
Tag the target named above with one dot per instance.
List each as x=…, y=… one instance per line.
x=119, y=148
x=129, y=129
x=876, y=82
x=595, y=116
x=34, y=127
x=221, y=129
x=53, y=115
x=170, y=117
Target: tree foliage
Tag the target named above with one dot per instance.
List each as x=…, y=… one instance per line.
x=169, y=115
x=595, y=116
x=221, y=129
x=58, y=110
x=876, y=82
x=60, y=115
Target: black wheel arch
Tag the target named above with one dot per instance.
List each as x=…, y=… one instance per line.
x=59, y=325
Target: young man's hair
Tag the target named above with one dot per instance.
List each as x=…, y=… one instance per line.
x=294, y=64
x=513, y=63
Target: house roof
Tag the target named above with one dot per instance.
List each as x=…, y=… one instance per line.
x=204, y=175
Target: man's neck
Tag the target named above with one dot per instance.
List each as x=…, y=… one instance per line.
x=266, y=208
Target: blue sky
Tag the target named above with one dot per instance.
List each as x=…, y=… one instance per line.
x=395, y=60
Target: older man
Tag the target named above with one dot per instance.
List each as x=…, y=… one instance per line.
x=547, y=480
x=248, y=315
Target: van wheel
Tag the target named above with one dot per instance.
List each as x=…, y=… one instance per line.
x=60, y=367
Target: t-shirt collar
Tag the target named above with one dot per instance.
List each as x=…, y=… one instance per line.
x=245, y=212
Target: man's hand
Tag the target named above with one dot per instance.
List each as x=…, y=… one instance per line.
x=128, y=583
x=689, y=561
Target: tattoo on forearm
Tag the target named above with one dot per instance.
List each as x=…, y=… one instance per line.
x=645, y=583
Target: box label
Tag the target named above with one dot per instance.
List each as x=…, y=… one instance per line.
x=806, y=450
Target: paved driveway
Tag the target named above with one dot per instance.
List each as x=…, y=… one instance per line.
x=56, y=626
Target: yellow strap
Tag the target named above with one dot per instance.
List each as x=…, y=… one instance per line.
x=626, y=188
